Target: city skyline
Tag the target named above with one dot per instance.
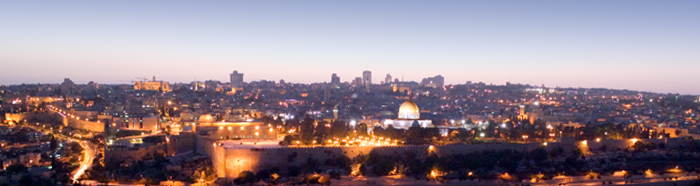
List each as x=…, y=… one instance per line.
x=392, y=92
x=644, y=46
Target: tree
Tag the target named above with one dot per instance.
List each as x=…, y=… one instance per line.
x=381, y=165
x=361, y=129
x=490, y=128
x=379, y=131
x=414, y=135
x=27, y=180
x=159, y=159
x=16, y=168
x=539, y=155
x=75, y=147
x=321, y=130
x=338, y=128
x=245, y=177
x=54, y=143
x=307, y=130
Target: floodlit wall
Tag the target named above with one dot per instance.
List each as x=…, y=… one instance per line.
x=125, y=155
x=185, y=142
x=613, y=145
x=14, y=117
x=85, y=125
x=229, y=162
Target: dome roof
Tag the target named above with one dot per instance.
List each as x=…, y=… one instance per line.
x=409, y=110
x=206, y=118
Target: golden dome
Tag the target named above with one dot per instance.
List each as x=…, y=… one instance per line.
x=206, y=118
x=409, y=110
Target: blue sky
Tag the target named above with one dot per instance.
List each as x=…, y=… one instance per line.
x=637, y=45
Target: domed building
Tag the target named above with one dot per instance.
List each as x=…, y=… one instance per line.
x=206, y=119
x=409, y=110
x=409, y=113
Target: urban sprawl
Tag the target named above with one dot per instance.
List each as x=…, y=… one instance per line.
x=360, y=132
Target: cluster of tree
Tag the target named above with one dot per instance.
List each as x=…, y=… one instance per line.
x=610, y=130
x=308, y=173
x=248, y=177
x=516, y=129
x=150, y=170
x=311, y=130
x=484, y=164
x=679, y=101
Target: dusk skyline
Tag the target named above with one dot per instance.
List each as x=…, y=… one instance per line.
x=637, y=45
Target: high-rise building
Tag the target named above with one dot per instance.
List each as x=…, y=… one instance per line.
x=357, y=82
x=435, y=82
x=387, y=79
x=236, y=79
x=326, y=94
x=367, y=78
x=68, y=88
x=335, y=79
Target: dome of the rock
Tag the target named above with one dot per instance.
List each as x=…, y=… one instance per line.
x=409, y=110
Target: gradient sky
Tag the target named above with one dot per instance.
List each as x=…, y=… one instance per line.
x=636, y=45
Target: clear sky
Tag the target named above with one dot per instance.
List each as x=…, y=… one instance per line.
x=637, y=45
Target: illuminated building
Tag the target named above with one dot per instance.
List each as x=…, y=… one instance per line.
x=367, y=78
x=236, y=80
x=68, y=87
x=135, y=122
x=335, y=79
x=357, y=82
x=409, y=114
x=237, y=130
x=152, y=85
x=435, y=82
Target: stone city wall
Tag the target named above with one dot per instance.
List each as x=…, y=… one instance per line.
x=613, y=144
x=15, y=117
x=125, y=155
x=229, y=162
x=85, y=125
x=185, y=142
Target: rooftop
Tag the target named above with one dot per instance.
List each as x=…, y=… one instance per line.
x=249, y=143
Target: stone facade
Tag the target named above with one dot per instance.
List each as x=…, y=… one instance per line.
x=228, y=162
x=85, y=125
x=118, y=156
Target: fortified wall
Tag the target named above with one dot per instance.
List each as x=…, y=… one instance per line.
x=228, y=162
x=118, y=156
x=84, y=125
x=184, y=142
x=613, y=144
x=15, y=117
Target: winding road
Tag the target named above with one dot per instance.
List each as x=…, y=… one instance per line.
x=88, y=156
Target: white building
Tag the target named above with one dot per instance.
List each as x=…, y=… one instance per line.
x=408, y=115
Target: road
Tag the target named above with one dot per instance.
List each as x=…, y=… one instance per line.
x=88, y=157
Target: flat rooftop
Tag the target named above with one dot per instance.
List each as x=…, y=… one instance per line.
x=249, y=143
